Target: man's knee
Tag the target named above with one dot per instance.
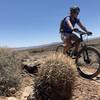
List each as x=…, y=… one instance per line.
x=78, y=40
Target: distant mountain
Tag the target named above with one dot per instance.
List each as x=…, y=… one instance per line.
x=93, y=41
x=38, y=47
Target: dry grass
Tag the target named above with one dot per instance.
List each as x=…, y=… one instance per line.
x=10, y=71
x=22, y=55
x=55, y=79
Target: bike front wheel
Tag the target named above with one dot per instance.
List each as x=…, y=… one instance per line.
x=88, y=62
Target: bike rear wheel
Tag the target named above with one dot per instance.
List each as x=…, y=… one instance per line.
x=88, y=62
x=60, y=49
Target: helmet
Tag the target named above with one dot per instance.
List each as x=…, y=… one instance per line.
x=75, y=9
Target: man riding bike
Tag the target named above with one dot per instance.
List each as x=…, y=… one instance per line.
x=68, y=36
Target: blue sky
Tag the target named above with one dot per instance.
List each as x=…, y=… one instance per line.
x=35, y=22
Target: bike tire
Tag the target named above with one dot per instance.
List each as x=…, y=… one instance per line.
x=60, y=49
x=81, y=72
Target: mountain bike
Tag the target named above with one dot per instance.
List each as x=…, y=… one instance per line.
x=88, y=58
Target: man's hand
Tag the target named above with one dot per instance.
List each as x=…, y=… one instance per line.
x=89, y=33
x=75, y=29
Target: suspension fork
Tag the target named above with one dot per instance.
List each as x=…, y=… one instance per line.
x=86, y=55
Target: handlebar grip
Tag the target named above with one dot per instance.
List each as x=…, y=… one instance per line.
x=89, y=33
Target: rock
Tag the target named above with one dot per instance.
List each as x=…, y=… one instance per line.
x=26, y=93
x=8, y=98
x=31, y=96
x=12, y=98
x=31, y=69
x=12, y=90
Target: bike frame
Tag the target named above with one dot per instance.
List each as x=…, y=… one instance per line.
x=84, y=46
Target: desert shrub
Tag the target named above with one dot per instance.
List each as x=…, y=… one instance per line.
x=10, y=71
x=55, y=79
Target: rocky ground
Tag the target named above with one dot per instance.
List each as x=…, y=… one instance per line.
x=85, y=89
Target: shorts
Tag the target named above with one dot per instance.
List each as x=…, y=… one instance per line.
x=72, y=36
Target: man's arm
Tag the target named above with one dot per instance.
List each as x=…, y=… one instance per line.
x=69, y=24
x=82, y=27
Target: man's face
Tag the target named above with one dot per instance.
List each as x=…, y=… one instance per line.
x=75, y=14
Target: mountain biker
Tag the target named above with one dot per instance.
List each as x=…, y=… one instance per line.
x=68, y=36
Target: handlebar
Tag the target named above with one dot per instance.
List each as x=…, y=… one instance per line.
x=81, y=32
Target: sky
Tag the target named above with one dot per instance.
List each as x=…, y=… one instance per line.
x=25, y=23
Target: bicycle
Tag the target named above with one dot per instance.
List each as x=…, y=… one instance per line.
x=87, y=60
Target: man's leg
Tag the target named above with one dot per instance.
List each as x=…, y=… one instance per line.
x=67, y=43
x=77, y=41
